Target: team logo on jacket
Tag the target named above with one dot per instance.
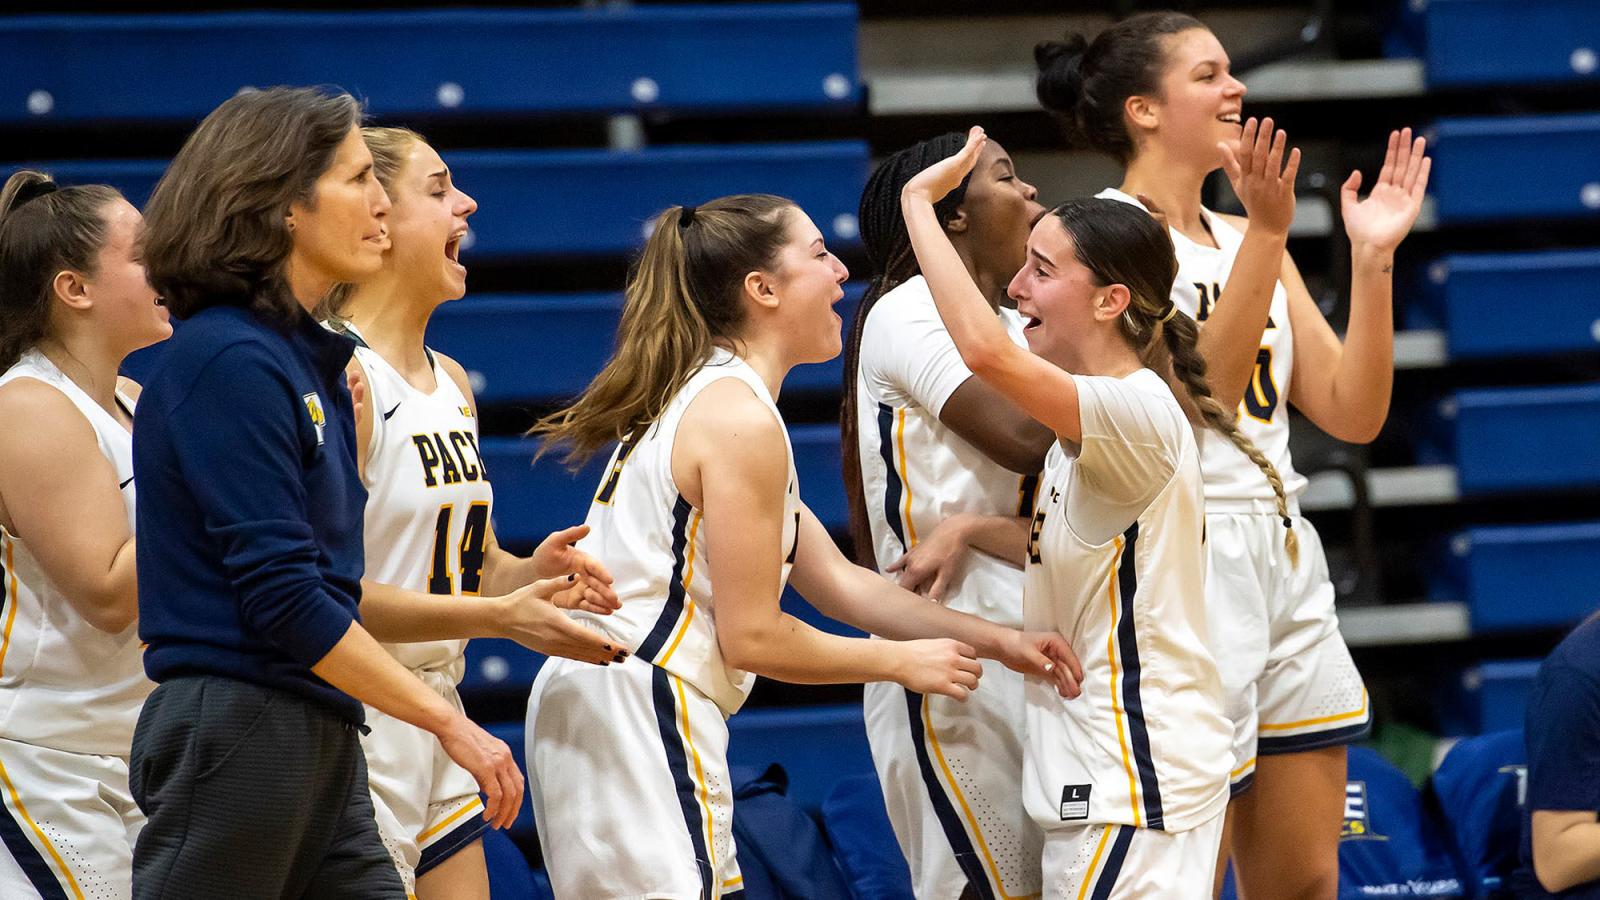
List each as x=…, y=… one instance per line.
x=319, y=419
x=1356, y=826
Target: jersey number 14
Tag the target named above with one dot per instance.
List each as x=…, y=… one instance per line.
x=470, y=550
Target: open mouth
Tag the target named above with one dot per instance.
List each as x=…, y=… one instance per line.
x=1230, y=118
x=452, y=248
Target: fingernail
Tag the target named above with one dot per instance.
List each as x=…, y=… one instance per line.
x=573, y=577
x=620, y=657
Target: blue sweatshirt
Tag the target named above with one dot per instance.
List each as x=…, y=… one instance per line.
x=249, y=520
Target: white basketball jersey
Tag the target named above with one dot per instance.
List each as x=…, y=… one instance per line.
x=1116, y=561
x=1263, y=413
x=428, y=497
x=65, y=684
x=915, y=471
x=654, y=543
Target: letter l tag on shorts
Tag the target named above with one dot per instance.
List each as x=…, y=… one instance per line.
x=1075, y=801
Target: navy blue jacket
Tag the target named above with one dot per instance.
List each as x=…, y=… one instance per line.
x=250, y=505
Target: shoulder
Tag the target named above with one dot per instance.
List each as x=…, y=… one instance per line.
x=51, y=415
x=730, y=406
x=456, y=371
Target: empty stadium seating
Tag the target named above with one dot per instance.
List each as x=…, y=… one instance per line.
x=1518, y=438
x=1521, y=576
x=1556, y=161
x=525, y=348
x=617, y=58
x=1497, y=42
x=1466, y=296
x=1491, y=696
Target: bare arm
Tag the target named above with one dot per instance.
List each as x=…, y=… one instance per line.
x=930, y=566
x=1345, y=388
x=531, y=615
x=61, y=497
x=1566, y=848
x=858, y=596
x=1232, y=333
x=984, y=418
x=360, y=667
x=1040, y=389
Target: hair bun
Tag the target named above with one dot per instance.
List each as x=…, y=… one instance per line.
x=1060, y=82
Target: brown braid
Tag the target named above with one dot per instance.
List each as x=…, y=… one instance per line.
x=1122, y=244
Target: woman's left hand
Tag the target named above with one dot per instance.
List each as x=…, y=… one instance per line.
x=1047, y=655
x=932, y=183
x=928, y=567
x=556, y=555
x=1382, y=221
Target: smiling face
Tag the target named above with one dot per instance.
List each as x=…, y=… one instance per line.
x=340, y=235
x=999, y=209
x=1200, y=102
x=124, y=303
x=426, y=225
x=1060, y=298
x=805, y=282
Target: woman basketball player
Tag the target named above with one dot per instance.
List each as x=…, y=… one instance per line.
x=75, y=302
x=700, y=521
x=1155, y=93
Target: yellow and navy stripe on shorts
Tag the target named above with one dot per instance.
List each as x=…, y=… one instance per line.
x=1101, y=877
x=688, y=778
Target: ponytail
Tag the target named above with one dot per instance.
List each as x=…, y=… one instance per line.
x=682, y=297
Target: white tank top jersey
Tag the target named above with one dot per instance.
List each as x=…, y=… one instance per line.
x=654, y=543
x=429, y=501
x=1233, y=482
x=915, y=471
x=65, y=684
x=1116, y=565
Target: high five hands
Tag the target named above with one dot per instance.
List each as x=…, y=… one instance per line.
x=1384, y=218
x=1260, y=175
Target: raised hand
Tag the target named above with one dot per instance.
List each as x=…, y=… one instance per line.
x=1257, y=170
x=938, y=666
x=1385, y=217
x=932, y=183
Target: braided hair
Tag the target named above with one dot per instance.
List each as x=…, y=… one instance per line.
x=1122, y=244
x=888, y=245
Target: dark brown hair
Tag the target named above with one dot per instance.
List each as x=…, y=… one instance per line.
x=215, y=229
x=1119, y=243
x=888, y=245
x=44, y=230
x=1087, y=82
x=683, y=296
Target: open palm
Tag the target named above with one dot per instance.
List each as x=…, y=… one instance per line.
x=1384, y=218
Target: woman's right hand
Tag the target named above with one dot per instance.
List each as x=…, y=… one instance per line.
x=928, y=567
x=533, y=617
x=1257, y=170
x=932, y=183
x=937, y=666
x=489, y=761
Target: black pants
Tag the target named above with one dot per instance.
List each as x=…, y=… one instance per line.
x=252, y=793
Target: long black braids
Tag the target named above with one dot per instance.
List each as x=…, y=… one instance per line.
x=888, y=245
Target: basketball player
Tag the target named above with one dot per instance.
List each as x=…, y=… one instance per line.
x=1129, y=782
x=700, y=520
x=925, y=441
x=1155, y=93
x=75, y=302
x=427, y=524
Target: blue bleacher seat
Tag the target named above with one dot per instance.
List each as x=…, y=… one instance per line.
x=533, y=500
x=1390, y=846
x=1556, y=159
x=499, y=666
x=863, y=840
x=1465, y=296
x=1484, y=42
x=509, y=876
x=522, y=348
x=1488, y=697
x=816, y=745
x=1478, y=788
x=576, y=203
x=1503, y=439
x=1521, y=576
x=782, y=852
x=457, y=62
